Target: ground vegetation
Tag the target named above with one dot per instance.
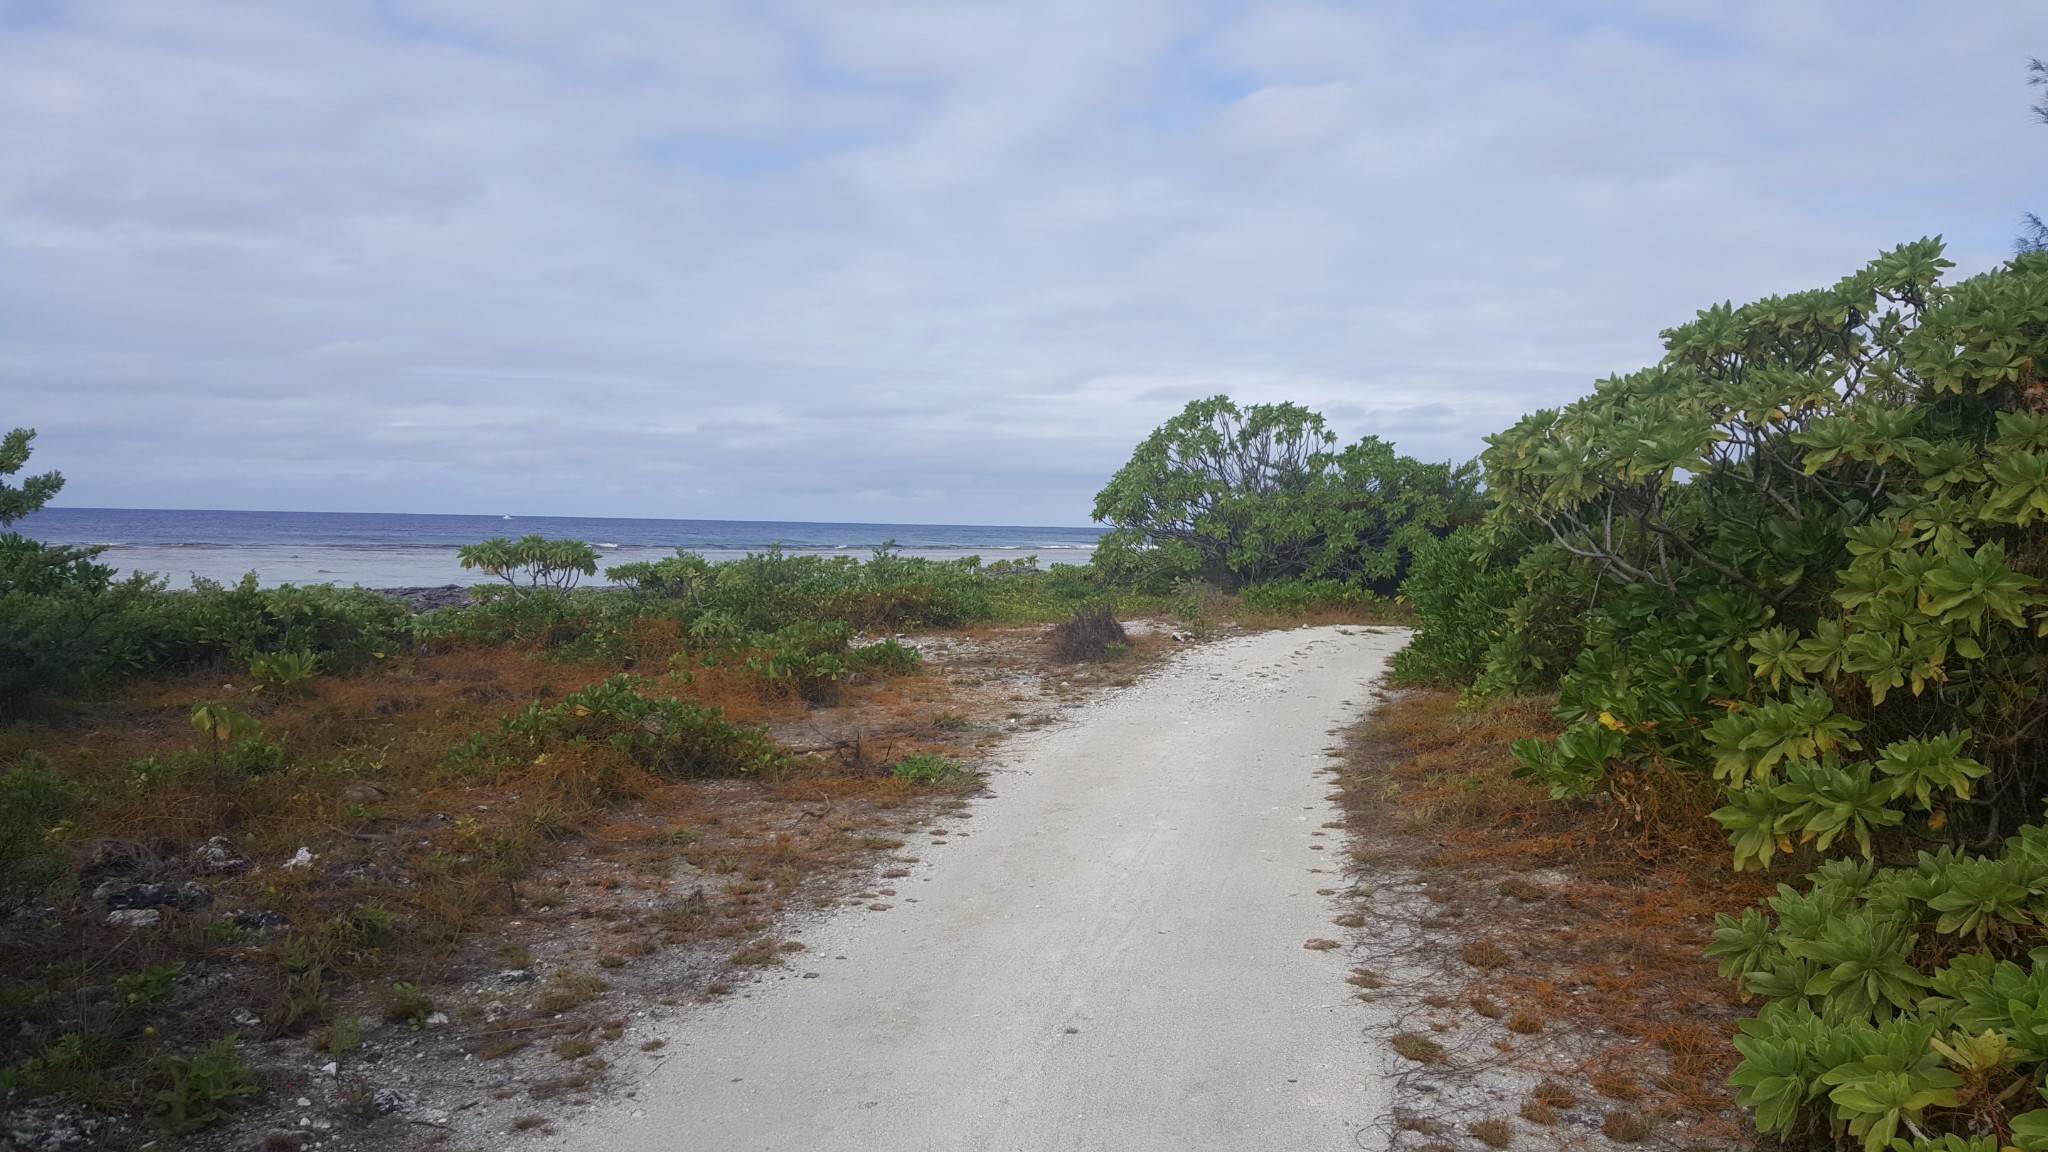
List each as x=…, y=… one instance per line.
x=244, y=828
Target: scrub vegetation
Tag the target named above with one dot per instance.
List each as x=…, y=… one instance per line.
x=1786, y=586
x=240, y=822
x=234, y=817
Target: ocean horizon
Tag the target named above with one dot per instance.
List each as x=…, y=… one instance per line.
x=403, y=549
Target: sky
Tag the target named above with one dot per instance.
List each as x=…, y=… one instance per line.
x=918, y=262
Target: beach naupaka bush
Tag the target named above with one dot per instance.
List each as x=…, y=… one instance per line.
x=662, y=734
x=1800, y=562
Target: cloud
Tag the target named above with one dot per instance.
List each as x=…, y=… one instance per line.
x=941, y=262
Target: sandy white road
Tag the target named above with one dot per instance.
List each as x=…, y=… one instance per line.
x=1112, y=960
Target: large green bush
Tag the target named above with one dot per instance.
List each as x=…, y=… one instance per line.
x=1242, y=495
x=1802, y=558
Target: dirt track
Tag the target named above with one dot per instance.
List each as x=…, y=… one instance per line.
x=1113, y=959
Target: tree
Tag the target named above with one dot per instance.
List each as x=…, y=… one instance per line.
x=1247, y=494
x=2034, y=237
x=539, y=561
x=34, y=491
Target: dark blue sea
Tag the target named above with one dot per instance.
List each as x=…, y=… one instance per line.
x=392, y=550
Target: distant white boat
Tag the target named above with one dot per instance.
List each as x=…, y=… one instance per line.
x=508, y=516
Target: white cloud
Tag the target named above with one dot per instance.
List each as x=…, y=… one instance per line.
x=940, y=261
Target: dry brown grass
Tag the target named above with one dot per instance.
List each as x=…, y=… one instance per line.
x=1608, y=902
x=1493, y=1132
x=1090, y=635
x=1625, y=1127
x=1552, y=1094
x=1419, y=1048
x=461, y=862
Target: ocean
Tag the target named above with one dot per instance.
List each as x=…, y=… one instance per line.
x=395, y=550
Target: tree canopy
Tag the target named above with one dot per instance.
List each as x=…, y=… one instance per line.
x=539, y=561
x=33, y=492
x=1242, y=494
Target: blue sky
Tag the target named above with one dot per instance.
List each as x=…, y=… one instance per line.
x=925, y=262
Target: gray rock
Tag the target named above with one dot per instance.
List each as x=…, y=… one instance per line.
x=264, y=921
x=511, y=977
x=219, y=856
x=428, y=599
x=98, y=858
x=34, y=1129
x=186, y=895
x=134, y=917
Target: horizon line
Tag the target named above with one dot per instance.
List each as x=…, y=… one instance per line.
x=562, y=516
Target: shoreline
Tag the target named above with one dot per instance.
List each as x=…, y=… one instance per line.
x=419, y=567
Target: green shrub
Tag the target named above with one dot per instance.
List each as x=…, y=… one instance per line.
x=662, y=734
x=885, y=658
x=55, y=1061
x=682, y=576
x=33, y=797
x=807, y=657
x=408, y=1004
x=1885, y=990
x=342, y=628
x=149, y=989
x=1463, y=593
x=66, y=625
x=283, y=672
x=928, y=768
x=1806, y=550
x=200, y=1087
x=771, y=602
